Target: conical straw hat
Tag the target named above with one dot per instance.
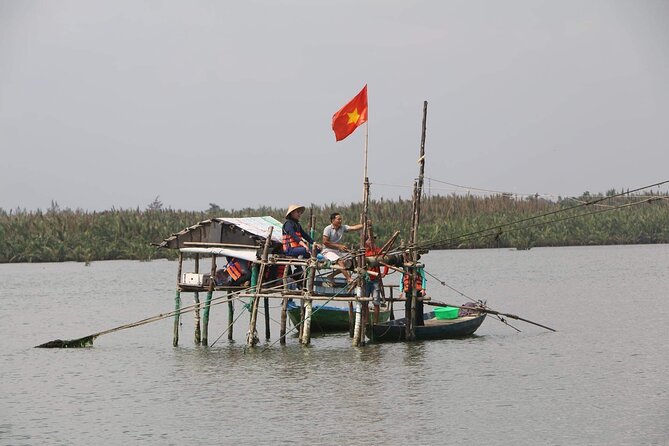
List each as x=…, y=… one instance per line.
x=293, y=207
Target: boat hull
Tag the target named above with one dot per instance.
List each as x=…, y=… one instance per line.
x=326, y=318
x=433, y=329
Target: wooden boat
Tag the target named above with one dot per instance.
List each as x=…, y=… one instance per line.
x=395, y=330
x=328, y=318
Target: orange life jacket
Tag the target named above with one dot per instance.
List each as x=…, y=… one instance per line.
x=275, y=272
x=234, y=269
x=373, y=252
x=290, y=242
x=418, y=283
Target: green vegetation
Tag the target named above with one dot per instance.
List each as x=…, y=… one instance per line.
x=58, y=235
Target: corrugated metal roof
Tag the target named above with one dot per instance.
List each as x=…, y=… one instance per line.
x=246, y=231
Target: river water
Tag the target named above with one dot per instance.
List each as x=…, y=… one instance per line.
x=600, y=380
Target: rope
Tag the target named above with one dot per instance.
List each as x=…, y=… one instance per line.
x=498, y=229
x=296, y=326
x=230, y=325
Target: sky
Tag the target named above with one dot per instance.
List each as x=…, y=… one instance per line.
x=110, y=104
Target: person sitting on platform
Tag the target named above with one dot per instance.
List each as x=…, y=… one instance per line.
x=334, y=249
x=236, y=273
x=419, y=285
x=296, y=241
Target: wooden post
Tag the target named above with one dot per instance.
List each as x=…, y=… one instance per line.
x=364, y=321
x=361, y=291
x=410, y=304
x=392, y=313
x=284, y=305
x=358, y=321
x=231, y=314
x=300, y=330
x=351, y=320
x=258, y=273
x=207, y=303
x=282, y=331
x=308, y=307
x=177, y=303
x=252, y=334
x=177, y=306
x=415, y=222
x=266, y=307
x=196, y=299
x=306, y=332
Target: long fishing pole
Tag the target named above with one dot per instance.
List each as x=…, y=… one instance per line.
x=88, y=340
x=488, y=310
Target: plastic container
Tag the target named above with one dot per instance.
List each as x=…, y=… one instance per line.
x=442, y=313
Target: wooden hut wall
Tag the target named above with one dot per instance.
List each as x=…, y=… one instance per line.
x=224, y=233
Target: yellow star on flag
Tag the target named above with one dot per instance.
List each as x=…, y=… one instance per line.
x=350, y=116
x=353, y=117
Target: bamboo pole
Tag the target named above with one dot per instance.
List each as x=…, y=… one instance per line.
x=196, y=301
x=220, y=245
x=282, y=331
x=358, y=333
x=231, y=315
x=392, y=312
x=207, y=303
x=356, y=328
x=300, y=330
x=306, y=325
x=177, y=304
x=252, y=334
x=308, y=307
x=266, y=307
x=259, y=272
x=415, y=222
x=284, y=306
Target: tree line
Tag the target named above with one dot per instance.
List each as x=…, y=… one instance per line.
x=446, y=222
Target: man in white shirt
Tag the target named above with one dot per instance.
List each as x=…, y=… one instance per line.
x=333, y=235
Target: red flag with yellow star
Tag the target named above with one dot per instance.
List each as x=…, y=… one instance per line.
x=350, y=116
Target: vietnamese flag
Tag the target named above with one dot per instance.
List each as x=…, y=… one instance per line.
x=350, y=116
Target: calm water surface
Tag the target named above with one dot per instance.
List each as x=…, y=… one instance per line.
x=600, y=380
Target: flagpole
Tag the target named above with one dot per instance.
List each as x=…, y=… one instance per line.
x=362, y=311
x=364, y=176
x=365, y=191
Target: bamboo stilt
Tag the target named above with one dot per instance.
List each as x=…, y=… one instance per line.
x=300, y=330
x=177, y=304
x=207, y=303
x=364, y=319
x=415, y=222
x=392, y=312
x=197, y=339
x=284, y=306
x=231, y=315
x=282, y=331
x=266, y=307
x=351, y=320
x=196, y=301
x=358, y=321
x=306, y=332
x=308, y=308
x=252, y=334
x=258, y=274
